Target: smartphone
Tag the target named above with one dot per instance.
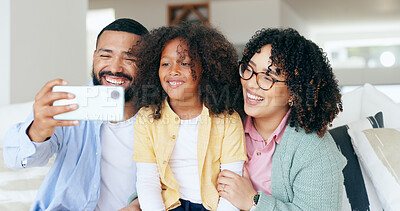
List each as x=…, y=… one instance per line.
x=99, y=103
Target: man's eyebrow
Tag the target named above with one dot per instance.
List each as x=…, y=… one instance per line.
x=105, y=50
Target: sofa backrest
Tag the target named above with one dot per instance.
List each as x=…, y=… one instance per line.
x=12, y=114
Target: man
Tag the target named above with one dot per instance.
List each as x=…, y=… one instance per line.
x=93, y=168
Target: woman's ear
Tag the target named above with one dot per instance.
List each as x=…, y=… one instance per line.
x=291, y=101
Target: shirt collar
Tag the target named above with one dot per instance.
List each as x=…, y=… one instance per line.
x=171, y=114
x=276, y=135
x=251, y=130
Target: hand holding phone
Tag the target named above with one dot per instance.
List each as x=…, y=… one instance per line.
x=43, y=125
x=99, y=103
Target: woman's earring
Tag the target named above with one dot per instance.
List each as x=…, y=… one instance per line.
x=291, y=104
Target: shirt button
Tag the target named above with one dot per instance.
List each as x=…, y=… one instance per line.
x=95, y=186
x=173, y=137
x=164, y=162
x=176, y=119
x=258, y=153
x=97, y=153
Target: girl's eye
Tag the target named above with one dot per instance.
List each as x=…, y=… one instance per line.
x=185, y=64
x=131, y=59
x=164, y=64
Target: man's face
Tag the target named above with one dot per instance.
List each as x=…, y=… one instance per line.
x=113, y=65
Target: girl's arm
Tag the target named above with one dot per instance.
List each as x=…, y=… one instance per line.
x=237, y=168
x=149, y=187
x=237, y=188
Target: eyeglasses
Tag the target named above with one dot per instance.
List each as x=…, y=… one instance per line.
x=264, y=79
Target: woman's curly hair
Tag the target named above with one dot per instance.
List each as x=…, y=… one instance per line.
x=219, y=86
x=309, y=77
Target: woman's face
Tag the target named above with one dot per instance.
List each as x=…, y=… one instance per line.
x=259, y=103
x=175, y=72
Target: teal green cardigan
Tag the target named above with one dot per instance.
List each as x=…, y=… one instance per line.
x=306, y=173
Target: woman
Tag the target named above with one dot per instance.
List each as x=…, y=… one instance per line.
x=290, y=97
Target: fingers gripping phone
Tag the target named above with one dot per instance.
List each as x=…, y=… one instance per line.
x=99, y=103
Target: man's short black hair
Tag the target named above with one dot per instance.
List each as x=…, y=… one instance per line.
x=124, y=25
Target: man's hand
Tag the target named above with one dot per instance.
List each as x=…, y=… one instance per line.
x=43, y=125
x=236, y=189
x=134, y=206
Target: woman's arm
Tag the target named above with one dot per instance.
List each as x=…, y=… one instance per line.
x=317, y=186
x=149, y=187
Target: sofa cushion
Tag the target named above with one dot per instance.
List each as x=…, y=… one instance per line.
x=353, y=178
x=373, y=101
x=18, y=188
x=351, y=108
x=378, y=151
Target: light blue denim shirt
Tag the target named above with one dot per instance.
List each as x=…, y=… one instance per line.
x=73, y=182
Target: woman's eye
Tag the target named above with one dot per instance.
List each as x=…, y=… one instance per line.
x=185, y=64
x=164, y=64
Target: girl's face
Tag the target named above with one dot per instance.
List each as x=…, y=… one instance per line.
x=175, y=72
x=259, y=103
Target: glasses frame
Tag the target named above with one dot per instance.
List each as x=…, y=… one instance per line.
x=257, y=74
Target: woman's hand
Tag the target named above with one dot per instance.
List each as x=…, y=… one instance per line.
x=236, y=189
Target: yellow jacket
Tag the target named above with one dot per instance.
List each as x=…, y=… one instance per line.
x=220, y=140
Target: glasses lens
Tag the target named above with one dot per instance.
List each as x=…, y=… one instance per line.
x=264, y=81
x=245, y=71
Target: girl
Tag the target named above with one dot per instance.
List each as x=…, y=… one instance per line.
x=290, y=97
x=187, y=129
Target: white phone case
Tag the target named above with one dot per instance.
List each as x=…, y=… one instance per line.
x=99, y=103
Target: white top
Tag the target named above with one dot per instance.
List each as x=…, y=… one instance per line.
x=183, y=161
x=118, y=170
x=184, y=165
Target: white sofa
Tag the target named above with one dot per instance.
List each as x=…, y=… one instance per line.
x=380, y=165
x=18, y=188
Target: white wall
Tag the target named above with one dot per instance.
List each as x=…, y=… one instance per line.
x=47, y=42
x=238, y=20
x=321, y=34
x=96, y=20
x=290, y=19
x=5, y=52
x=151, y=13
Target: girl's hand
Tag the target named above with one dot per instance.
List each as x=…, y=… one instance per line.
x=236, y=189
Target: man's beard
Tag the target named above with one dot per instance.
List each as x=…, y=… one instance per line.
x=128, y=90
